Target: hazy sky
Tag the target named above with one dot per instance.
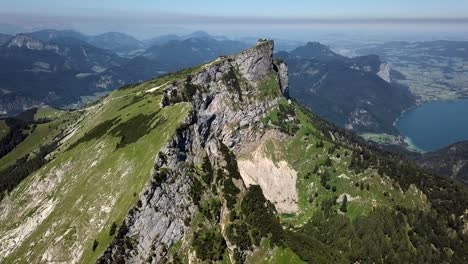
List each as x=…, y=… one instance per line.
x=139, y=16
x=281, y=8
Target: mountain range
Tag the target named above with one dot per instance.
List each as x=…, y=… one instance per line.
x=215, y=164
x=355, y=93
x=182, y=54
x=63, y=68
x=164, y=39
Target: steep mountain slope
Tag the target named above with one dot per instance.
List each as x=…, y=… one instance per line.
x=451, y=161
x=355, y=93
x=214, y=164
x=113, y=175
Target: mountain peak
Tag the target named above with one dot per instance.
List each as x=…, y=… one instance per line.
x=255, y=63
x=25, y=41
x=199, y=34
x=246, y=71
x=314, y=50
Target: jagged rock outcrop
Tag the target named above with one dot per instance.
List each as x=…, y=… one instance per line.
x=226, y=109
x=283, y=78
x=28, y=42
x=384, y=72
x=256, y=63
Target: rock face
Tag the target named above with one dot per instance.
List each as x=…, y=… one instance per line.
x=254, y=66
x=226, y=109
x=284, y=78
x=384, y=72
x=23, y=40
x=277, y=180
x=27, y=42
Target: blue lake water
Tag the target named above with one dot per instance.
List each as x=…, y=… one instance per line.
x=435, y=125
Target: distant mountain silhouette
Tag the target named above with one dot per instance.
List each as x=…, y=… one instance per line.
x=58, y=67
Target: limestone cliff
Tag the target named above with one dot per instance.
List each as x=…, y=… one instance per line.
x=227, y=109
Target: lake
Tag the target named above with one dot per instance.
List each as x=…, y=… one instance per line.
x=435, y=125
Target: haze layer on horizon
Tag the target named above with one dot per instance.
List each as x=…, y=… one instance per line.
x=147, y=18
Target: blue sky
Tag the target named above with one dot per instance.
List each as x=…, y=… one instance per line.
x=236, y=15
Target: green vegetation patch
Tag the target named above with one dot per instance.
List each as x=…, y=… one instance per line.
x=11, y=176
x=260, y=214
x=136, y=127
x=266, y=254
x=283, y=117
x=253, y=220
x=231, y=161
x=18, y=130
x=209, y=244
x=382, y=235
x=36, y=135
x=269, y=88
x=97, y=132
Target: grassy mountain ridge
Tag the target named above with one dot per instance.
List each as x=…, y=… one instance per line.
x=161, y=172
x=125, y=166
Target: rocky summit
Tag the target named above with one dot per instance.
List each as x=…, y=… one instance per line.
x=215, y=164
